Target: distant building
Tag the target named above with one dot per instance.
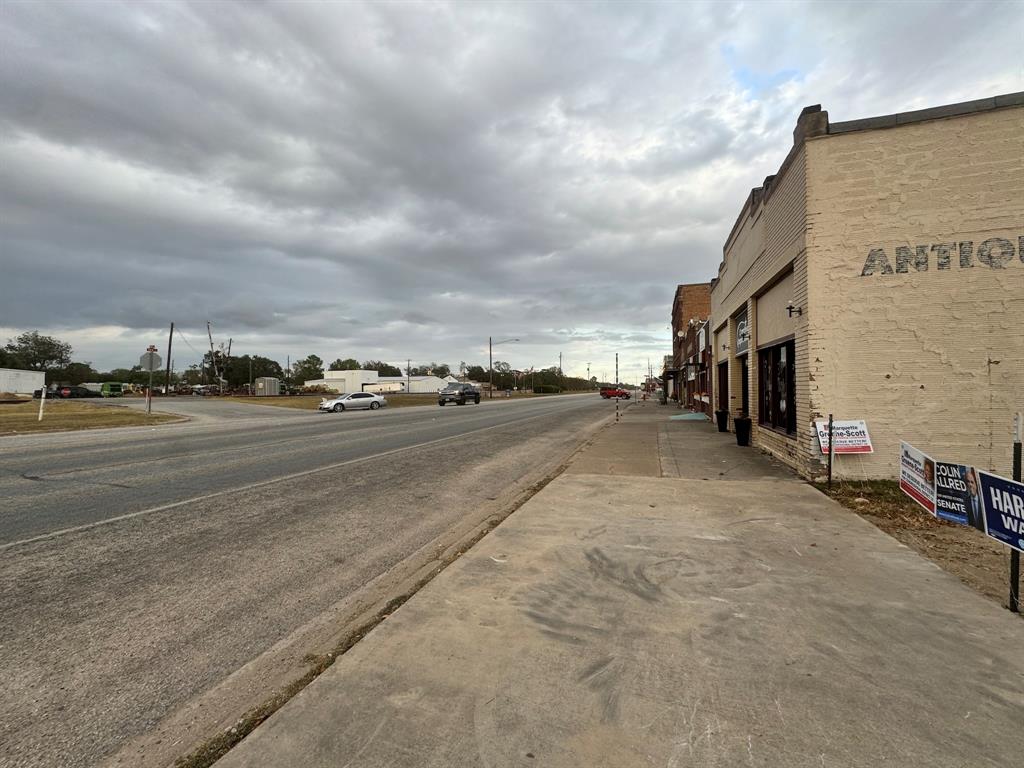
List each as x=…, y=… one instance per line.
x=371, y=381
x=879, y=275
x=268, y=386
x=18, y=382
x=692, y=303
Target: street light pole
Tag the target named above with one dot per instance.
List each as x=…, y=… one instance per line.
x=490, y=363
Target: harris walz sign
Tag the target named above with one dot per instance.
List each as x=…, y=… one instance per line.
x=1004, y=509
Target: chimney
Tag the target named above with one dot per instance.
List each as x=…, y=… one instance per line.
x=812, y=122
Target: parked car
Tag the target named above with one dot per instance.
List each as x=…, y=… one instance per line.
x=352, y=402
x=616, y=392
x=460, y=394
x=65, y=392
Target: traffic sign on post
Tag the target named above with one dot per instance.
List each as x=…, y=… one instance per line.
x=150, y=361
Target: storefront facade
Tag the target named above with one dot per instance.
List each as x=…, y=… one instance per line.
x=879, y=275
x=691, y=305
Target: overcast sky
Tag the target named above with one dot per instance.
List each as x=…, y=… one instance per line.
x=404, y=180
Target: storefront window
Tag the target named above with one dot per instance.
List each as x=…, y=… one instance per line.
x=777, y=383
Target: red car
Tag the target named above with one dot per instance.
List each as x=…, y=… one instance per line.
x=616, y=392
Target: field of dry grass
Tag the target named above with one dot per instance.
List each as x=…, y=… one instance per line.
x=63, y=415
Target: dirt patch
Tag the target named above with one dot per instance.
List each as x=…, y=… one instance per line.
x=970, y=555
x=62, y=415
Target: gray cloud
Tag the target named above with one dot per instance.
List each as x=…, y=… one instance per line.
x=396, y=180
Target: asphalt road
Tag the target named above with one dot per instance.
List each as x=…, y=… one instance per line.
x=141, y=568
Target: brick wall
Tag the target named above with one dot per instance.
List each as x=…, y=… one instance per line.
x=909, y=350
x=692, y=300
x=767, y=242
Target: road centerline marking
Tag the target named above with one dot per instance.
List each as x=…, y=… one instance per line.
x=259, y=484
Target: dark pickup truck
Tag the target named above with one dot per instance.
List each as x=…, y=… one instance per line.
x=460, y=394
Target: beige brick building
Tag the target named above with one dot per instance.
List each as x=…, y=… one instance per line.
x=879, y=275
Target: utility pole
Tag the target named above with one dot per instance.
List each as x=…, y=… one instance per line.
x=616, y=369
x=227, y=359
x=250, y=375
x=490, y=368
x=213, y=356
x=561, y=376
x=167, y=384
x=408, y=375
x=588, y=377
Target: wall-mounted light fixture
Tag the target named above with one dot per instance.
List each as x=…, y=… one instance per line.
x=794, y=310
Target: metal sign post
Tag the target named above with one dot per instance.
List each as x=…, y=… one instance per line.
x=150, y=361
x=831, y=452
x=1018, y=429
x=42, y=400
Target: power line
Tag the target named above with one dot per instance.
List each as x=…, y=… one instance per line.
x=187, y=344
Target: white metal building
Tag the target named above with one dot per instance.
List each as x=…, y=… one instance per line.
x=371, y=381
x=268, y=386
x=19, y=382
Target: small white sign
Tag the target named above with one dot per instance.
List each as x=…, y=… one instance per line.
x=851, y=436
x=917, y=476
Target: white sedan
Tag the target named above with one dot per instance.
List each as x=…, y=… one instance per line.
x=352, y=402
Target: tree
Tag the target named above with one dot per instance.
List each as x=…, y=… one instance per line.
x=382, y=368
x=308, y=369
x=76, y=373
x=209, y=368
x=476, y=373
x=348, y=364
x=39, y=353
x=193, y=375
x=238, y=371
x=431, y=369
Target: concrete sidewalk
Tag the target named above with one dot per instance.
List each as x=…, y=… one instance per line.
x=621, y=618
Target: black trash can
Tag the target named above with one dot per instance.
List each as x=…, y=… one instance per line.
x=742, y=426
x=722, y=417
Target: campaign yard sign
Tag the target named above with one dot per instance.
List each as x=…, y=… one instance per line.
x=917, y=476
x=851, y=436
x=952, y=496
x=1004, y=509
